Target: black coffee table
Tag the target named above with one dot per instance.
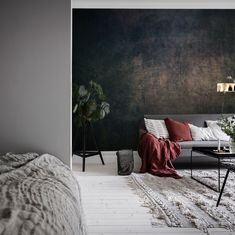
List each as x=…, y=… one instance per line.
x=211, y=152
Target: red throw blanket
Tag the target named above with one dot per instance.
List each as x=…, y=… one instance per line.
x=157, y=154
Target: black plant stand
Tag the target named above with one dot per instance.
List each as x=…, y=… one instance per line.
x=84, y=153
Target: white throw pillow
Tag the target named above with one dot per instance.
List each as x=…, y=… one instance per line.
x=157, y=128
x=218, y=133
x=202, y=133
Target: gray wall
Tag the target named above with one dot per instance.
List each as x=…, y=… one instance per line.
x=35, y=77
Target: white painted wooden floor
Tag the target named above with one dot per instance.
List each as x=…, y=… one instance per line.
x=112, y=207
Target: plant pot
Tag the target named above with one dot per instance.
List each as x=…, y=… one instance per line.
x=232, y=146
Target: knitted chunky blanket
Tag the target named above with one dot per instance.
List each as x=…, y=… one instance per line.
x=38, y=195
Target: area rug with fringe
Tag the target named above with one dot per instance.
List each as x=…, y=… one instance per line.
x=185, y=202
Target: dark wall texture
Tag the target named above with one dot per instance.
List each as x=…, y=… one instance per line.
x=153, y=62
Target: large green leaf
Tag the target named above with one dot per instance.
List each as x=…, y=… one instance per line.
x=102, y=114
x=91, y=107
x=106, y=107
x=82, y=91
x=75, y=108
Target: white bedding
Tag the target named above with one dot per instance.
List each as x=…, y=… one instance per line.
x=38, y=195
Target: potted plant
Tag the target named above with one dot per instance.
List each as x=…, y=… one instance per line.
x=89, y=103
x=228, y=126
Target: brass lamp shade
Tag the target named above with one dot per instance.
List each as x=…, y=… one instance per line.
x=225, y=87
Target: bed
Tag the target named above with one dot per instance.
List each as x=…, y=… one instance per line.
x=38, y=195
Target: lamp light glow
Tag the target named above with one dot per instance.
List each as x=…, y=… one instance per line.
x=225, y=87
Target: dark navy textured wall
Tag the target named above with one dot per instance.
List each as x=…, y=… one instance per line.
x=153, y=62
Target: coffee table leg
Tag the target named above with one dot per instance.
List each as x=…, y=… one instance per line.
x=225, y=179
x=218, y=174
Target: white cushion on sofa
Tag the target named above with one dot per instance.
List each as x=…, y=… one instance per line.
x=156, y=127
x=202, y=133
x=217, y=131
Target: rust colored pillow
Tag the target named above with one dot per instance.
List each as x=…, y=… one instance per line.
x=178, y=131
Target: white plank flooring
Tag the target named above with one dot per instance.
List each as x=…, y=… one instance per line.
x=112, y=207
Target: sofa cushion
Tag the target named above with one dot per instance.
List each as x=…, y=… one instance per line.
x=217, y=131
x=178, y=131
x=211, y=143
x=202, y=133
x=157, y=128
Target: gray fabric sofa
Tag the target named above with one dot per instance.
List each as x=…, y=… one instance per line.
x=195, y=119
